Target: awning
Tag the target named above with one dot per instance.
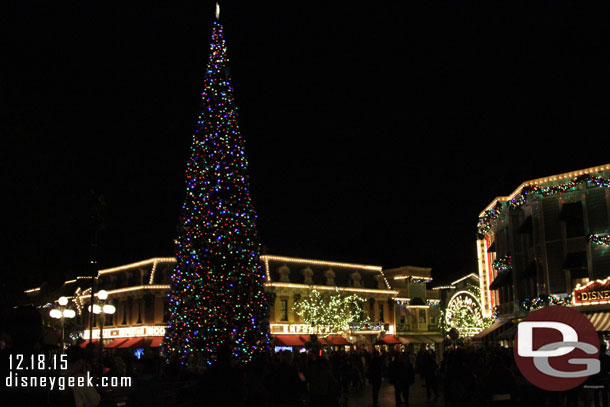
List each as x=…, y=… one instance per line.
x=84, y=344
x=337, y=340
x=115, y=343
x=288, y=340
x=502, y=279
x=390, y=340
x=497, y=324
x=156, y=342
x=131, y=342
x=600, y=320
x=430, y=339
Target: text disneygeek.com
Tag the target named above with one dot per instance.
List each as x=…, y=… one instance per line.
x=16, y=380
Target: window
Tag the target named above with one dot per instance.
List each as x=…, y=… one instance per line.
x=124, y=321
x=284, y=310
x=381, y=312
x=109, y=319
x=139, y=313
x=422, y=316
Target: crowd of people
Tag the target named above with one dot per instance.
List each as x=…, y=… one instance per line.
x=467, y=375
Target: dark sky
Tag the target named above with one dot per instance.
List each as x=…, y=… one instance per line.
x=375, y=134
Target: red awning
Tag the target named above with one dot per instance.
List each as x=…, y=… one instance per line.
x=156, y=342
x=115, y=343
x=390, y=340
x=337, y=340
x=84, y=344
x=131, y=342
x=307, y=338
x=288, y=340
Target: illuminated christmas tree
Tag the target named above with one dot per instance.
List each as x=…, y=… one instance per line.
x=217, y=299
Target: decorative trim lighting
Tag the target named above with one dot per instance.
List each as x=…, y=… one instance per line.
x=328, y=288
x=427, y=278
x=138, y=264
x=137, y=288
x=152, y=273
x=544, y=180
x=297, y=260
x=465, y=277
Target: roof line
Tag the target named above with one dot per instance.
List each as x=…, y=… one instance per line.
x=544, y=180
x=313, y=262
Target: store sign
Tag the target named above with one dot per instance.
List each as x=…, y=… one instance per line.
x=596, y=292
x=129, y=332
x=298, y=329
x=304, y=329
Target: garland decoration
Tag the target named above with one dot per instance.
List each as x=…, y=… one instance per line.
x=503, y=264
x=533, y=304
x=485, y=221
x=599, y=240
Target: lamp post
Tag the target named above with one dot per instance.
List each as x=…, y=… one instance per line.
x=62, y=312
x=102, y=309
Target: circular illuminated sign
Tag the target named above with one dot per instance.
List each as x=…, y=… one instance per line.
x=464, y=313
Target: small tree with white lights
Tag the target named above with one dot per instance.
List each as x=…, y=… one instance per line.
x=335, y=314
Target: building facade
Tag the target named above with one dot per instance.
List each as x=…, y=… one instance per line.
x=400, y=309
x=542, y=242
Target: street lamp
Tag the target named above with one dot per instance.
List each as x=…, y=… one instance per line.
x=62, y=313
x=102, y=309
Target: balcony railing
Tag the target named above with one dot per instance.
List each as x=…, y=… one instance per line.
x=403, y=328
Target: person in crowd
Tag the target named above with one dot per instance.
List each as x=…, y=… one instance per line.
x=146, y=389
x=375, y=374
x=322, y=384
x=84, y=396
x=286, y=383
x=401, y=375
x=21, y=333
x=223, y=383
x=429, y=373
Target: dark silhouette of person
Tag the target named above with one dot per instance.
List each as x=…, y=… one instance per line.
x=147, y=389
x=429, y=368
x=375, y=373
x=286, y=382
x=322, y=383
x=223, y=382
x=21, y=333
x=401, y=375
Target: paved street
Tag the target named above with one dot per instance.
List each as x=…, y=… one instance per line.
x=417, y=396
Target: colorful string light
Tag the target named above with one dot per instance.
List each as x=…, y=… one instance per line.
x=599, y=240
x=532, y=304
x=485, y=221
x=217, y=295
x=503, y=264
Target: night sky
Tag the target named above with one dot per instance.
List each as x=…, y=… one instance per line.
x=375, y=134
